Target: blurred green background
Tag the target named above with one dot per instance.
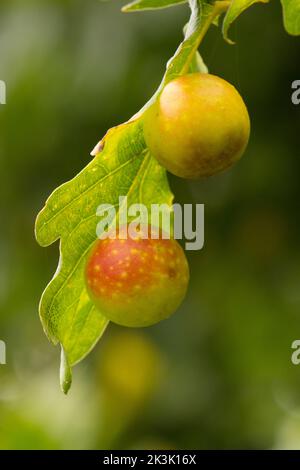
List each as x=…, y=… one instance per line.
x=218, y=374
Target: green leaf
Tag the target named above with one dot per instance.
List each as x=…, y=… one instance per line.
x=122, y=167
x=236, y=8
x=140, y=5
x=291, y=16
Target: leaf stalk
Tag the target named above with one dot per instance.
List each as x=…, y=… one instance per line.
x=220, y=6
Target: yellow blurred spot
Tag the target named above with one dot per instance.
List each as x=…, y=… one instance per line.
x=131, y=369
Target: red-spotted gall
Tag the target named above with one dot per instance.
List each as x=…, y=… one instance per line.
x=135, y=280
